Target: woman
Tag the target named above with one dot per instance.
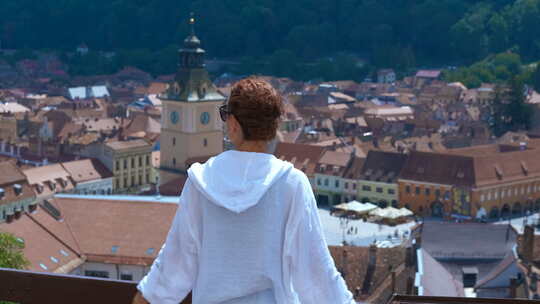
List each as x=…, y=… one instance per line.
x=247, y=228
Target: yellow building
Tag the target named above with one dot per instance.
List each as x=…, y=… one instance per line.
x=131, y=163
x=378, y=181
x=191, y=129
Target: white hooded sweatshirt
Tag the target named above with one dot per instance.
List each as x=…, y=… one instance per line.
x=247, y=230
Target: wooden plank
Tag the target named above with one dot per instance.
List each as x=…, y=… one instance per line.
x=404, y=299
x=31, y=287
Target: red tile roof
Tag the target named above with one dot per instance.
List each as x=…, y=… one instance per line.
x=41, y=246
x=303, y=157
x=86, y=170
x=137, y=229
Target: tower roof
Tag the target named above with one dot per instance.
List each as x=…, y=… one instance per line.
x=192, y=83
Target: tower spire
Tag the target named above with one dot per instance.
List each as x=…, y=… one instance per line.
x=192, y=23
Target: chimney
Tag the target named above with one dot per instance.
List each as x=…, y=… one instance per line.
x=527, y=244
x=393, y=277
x=409, y=257
x=513, y=288
x=534, y=282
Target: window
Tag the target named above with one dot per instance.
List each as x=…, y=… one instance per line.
x=140, y=180
x=408, y=189
x=174, y=141
x=133, y=181
x=447, y=195
x=417, y=190
x=482, y=198
x=346, y=185
x=326, y=181
x=125, y=182
x=366, y=188
x=205, y=142
x=318, y=181
x=125, y=163
x=379, y=190
x=96, y=274
x=117, y=167
x=354, y=186
x=117, y=183
x=337, y=183
x=140, y=161
x=126, y=277
x=148, y=160
x=391, y=191
x=147, y=178
x=174, y=162
x=438, y=192
x=132, y=162
x=427, y=191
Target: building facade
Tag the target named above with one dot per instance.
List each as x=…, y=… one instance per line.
x=130, y=162
x=90, y=177
x=329, y=182
x=16, y=194
x=377, y=183
x=491, y=181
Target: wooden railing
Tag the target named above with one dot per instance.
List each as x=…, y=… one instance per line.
x=31, y=287
x=26, y=287
x=399, y=299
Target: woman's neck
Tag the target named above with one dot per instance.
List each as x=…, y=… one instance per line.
x=253, y=146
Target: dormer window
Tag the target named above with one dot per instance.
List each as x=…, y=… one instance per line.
x=336, y=169
x=322, y=168
x=17, y=189
x=499, y=172
x=62, y=182
x=39, y=188
x=524, y=168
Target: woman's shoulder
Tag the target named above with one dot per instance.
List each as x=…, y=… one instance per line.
x=296, y=178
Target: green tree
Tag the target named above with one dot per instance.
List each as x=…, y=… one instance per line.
x=11, y=255
x=518, y=112
x=536, y=78
x=497, y=121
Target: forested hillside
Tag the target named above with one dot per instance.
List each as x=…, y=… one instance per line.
x=389, y=33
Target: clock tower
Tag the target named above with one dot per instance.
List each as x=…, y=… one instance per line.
x=191, y=129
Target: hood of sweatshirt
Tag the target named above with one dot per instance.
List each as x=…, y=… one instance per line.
x=237, y=180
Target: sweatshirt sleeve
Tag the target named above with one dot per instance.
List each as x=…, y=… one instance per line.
x=314, y=276
x=174, y=271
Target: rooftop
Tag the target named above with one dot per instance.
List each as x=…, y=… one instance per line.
x=126, y=145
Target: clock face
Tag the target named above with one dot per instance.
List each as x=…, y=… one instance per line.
x=174, y=117
x=205, y=118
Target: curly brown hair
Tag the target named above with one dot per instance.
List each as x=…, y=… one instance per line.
x=257, y=106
